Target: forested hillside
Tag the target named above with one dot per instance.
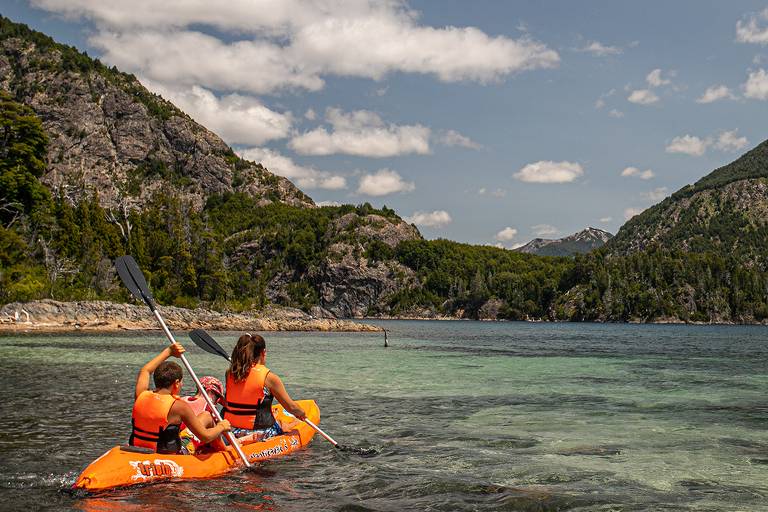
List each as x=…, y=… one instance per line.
x=210, y=228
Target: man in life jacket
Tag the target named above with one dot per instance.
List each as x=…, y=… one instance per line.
x=157, y=415
x=251, y=387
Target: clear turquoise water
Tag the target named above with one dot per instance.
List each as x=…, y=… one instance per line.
x=464, y=416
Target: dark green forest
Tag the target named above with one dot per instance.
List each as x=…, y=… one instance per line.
x=50, y=248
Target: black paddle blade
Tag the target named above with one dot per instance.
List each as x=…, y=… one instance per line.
x=203, y=340
x=363, y=452
x=133, y=279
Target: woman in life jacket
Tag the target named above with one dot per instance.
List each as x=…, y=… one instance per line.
x=251, y=387
x=157, y=415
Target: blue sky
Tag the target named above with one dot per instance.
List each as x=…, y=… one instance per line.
x=483, y=122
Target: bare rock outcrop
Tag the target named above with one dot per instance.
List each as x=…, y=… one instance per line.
x=103, y=316
x=109, y=135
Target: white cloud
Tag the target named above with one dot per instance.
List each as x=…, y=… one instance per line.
x=600, y=102
x=275, y=44
x=435, y=219
x=454, y=138
x=382, y=183
x=544, y=230
x=656, y=194
x=328, y=203
x=730, y=141
x=715, y=93
x=600, y=50
x=497, y=192
x=637, y=173
x=631, y=212
x=362, y=133
x=618, y=114
x=750, y=31
x=606, y=220
x=643, y=97
x=689, y=145
x=237, y=119
x=546, y=171
x=310, y=114
x=506, y=234
x=756, y=86
x=305, y=177
x=655, y=79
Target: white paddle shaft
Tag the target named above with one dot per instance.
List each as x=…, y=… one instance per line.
x=232, y=439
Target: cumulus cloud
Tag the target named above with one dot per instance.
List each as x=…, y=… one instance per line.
x=656, y=194
x=310, y=114
x=454, y=138
x=304, y=177
x=688, y=145
x=382, y=183
x=756, y=86
x=643, y=97
x=631, y=212
x=435, y=219
x=237, y=119
x=654, y=79
x=753, y=29
x=715, y=93
x=506, y=234
x=606, y=220
x=730, y=141
x=275, y=44
x=544, y=230
x=617, y=114
x=546, y=171
x=600, y=50
x=637, y=173
x=362, y=133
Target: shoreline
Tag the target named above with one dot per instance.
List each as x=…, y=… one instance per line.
x=49, y=316
x=95, y=317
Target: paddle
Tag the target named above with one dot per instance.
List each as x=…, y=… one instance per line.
x=204, y=340
x=134, y=280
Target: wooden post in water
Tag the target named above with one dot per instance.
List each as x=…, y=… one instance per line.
x=385, y=339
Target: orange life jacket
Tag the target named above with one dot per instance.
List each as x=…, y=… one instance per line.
x=248, y=403
x=150, y=423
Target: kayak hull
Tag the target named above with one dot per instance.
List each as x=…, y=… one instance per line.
x=123, y=466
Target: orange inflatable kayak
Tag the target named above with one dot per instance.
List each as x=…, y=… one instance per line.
x=125, y=465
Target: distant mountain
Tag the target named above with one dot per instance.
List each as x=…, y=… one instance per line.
x=578, y=243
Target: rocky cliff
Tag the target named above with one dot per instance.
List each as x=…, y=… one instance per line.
x=109, y=135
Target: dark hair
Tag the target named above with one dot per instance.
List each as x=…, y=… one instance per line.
x=166, y=374
x=245, y=354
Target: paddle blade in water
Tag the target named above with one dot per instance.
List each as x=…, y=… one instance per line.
x=133, y=279
x=363, y=452
x=204, y=340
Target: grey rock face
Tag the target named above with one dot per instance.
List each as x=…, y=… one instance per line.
x=350, y=287
x=108, y=134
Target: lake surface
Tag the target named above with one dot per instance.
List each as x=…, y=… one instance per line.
x=464, y=416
